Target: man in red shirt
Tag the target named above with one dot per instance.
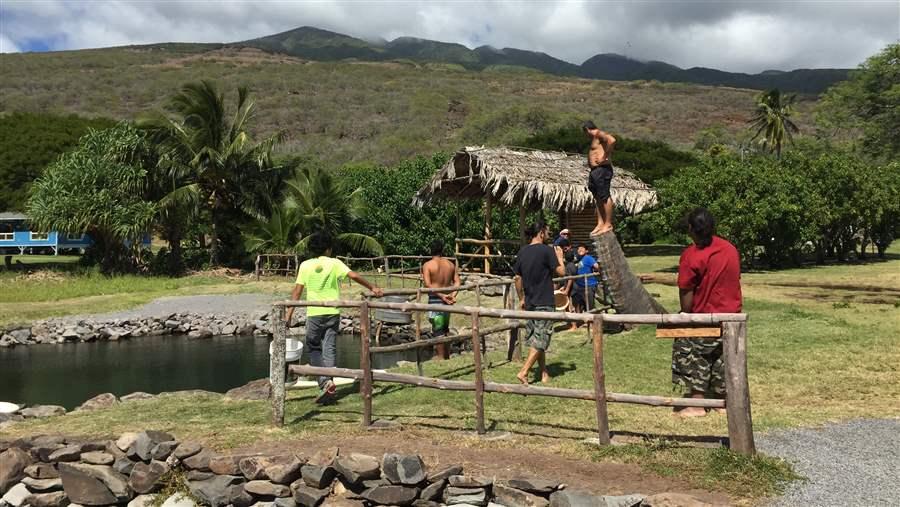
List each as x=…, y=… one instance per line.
x=709, y=281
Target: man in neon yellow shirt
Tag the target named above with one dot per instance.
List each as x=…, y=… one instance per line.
x=321, y=277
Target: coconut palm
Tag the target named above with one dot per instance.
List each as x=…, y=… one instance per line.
x=210, y=151
x=773, y=111
x=323, y=203
x=279, y=233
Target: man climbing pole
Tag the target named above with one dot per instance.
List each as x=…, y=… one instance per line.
x=600, y=178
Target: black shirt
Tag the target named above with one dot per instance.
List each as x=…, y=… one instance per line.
x=536, y=264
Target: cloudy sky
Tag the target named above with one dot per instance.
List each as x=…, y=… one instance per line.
x=743, y=36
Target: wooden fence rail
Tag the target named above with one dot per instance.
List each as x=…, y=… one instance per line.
x=736, y=403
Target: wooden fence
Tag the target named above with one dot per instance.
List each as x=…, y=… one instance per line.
x=283, y=264
x=734, y=333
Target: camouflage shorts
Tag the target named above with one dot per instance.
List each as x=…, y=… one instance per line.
x=698, y=366
x=538, y=332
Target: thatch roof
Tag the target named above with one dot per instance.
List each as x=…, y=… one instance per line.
x=535, y=179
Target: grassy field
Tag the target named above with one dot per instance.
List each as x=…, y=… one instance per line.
x=824, y=345
x=384, y=112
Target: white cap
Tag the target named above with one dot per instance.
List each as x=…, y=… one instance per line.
x=564, y=231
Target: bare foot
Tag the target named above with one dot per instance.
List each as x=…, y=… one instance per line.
x=690, y=412
x=523, y=378
x=601, y=230
x=573, y=327
x=545, y=378
x=719, y=410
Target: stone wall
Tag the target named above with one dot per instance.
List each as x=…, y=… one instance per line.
x=139, y=469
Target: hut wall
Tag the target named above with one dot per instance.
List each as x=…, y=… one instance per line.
x=580, y=224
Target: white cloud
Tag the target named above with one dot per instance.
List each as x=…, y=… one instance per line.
x=747, y=36
x=8, y=46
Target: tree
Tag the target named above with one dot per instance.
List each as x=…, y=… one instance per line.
x=31, y=141
x=325, y=203
x=773, y=112
x=92, y=190
x=212, y=154
x=868, y=102
x=278, y=233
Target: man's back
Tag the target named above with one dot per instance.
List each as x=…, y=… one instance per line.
x=439, y=272
x=714, y=274
x=536, y=265
x=321, y=277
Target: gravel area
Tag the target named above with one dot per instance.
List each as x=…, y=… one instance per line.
x=230, y=304
x=856, y=463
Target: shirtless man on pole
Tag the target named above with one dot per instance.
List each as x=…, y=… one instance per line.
x=600, y=179
x=436, y=273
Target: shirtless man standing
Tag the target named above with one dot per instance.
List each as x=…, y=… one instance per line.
x=440, y=272
x=599, y=181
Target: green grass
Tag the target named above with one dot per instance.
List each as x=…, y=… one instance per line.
x=810, y=362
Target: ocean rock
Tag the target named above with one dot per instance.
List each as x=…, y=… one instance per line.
x=13, y=463
x=123, y=465
x=464, y=481
x=23, y=335
x=255, y=467
x=403, y=469
x=52, y=499
x=623, y=501
x=146, y=478
x=179, y=500
x=42, y=485
x=200, y=333
x=434, y=490
x=97, y=458
x=141, y=501
x=267, y=488
x=94, y=484
x=199, y=461
x=16, y=495
x=125, y=441
x=254, y=390
x=197, y=475
x=533, y=485
x=316, y=476
x=473, y=496
x=217, y=491
x=285, y=502
x=391, y=495
x=512, y=497
x=445, y=474
x=163, y=450
x=137, y=396
x=98, y=402
x=42, y=411
x=357, y=467
x=309, y=497
x=187, y=449
x=41, y=471
x=285, y=472
x=225, y=465
x=324, y=457
x=67, y=453
x=673, y=500
x=575, y=498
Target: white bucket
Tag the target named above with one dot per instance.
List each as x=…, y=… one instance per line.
x=293, y=349
x=8, y=408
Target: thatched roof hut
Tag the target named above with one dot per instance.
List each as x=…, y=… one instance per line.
x=531, y=179
x=528, y=180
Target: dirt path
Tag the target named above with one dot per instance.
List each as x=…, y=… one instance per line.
x=598, y=478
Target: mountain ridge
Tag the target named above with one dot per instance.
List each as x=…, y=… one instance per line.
x=324, y=45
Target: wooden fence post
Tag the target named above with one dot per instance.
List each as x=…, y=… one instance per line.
x=600, y=381
x=479, y=377
x=419, y=334
x=387, y=272
x=276, y=365
x=737, y=388
x=365, y=363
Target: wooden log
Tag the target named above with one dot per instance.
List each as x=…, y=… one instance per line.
x=479, y=376
x=387, y=272
x=600, y=381
x=519, y=389
x=419, y=335
x=444, y=339
x=679, y=331
x=276, y=364
x=473, y=241
x=737, y=388
x=654, y=318
x=365, y=363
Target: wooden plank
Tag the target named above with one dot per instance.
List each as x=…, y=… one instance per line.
x=600, y=381
x=519, y=389
x=479, y=376
x=276, y=364
x=737, y=388
x=664, y=331
x=365, y=363
x=443, y=339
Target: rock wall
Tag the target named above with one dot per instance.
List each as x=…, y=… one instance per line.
x=137, y=470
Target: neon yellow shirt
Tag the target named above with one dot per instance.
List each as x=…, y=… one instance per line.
x=321, y=278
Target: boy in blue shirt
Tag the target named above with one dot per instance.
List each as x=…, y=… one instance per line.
x=585, y=288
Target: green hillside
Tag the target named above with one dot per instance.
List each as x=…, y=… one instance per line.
x=345, y=111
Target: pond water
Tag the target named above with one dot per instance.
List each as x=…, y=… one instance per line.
x=71, y=373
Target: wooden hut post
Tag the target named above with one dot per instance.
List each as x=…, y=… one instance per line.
x=276, y=365
x=600, y=381
x=365, y=363
x=488, y=235
x=256, y=268
x=737, y=388
x=479, y=376
x=387, y=272
x=522, y=216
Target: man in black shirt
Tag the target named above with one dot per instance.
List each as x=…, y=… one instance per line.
x=536, y=265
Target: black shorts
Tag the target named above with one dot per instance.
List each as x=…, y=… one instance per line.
x=599, y=181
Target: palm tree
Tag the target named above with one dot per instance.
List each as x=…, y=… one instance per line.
x=773, y=111
x=325, y=204
x=279, y=233
x=211, y=153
